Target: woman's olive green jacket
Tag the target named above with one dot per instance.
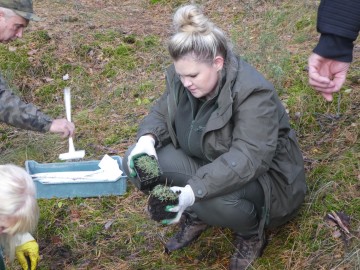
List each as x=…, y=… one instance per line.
x=247, y=137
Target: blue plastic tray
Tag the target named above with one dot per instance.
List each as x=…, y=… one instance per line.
x=102, y=187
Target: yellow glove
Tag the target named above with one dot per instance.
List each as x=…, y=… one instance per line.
x=29, y=248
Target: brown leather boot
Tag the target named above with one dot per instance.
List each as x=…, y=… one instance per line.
x=190, y=230
x=246, y=251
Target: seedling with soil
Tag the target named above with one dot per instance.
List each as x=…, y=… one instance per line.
x=160, y=197
x=147, y=170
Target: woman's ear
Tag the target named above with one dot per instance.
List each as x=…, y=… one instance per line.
x=218, y=62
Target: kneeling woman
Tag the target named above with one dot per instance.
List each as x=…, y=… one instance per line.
x=222, y=137
x=18, y=215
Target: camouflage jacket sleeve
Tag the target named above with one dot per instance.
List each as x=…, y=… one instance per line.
x=17, y=113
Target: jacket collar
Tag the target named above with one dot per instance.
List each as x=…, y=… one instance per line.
x=228, y=77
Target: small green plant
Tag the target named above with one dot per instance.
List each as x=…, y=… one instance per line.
x=160, y=197
x=163, y=193
x=147, y=170
x=148, y=166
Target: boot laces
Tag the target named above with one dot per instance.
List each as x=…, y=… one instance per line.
x=186, y=224
x=247, y=248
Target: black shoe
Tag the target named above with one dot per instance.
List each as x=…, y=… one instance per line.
x=246, y=251
x=190, y=230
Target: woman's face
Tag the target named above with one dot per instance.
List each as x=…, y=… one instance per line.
x=199, y=78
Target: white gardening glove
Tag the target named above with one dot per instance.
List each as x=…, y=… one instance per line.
x=186, y=199
x=145, y=145
x=27, y=247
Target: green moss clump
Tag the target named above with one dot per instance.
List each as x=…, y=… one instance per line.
x=148, y=165
x=164, y=193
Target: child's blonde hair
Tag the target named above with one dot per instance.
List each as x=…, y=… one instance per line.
x=17, y=202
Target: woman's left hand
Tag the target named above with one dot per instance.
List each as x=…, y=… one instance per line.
x=186, y=199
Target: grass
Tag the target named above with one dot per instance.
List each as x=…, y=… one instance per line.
x=115, y=56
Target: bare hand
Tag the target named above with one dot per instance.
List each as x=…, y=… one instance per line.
x=63, y=127
x=326, y=75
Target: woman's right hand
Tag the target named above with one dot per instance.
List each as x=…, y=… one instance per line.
x=145, y=145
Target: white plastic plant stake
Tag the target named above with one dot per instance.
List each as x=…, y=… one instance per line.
x=72, y=154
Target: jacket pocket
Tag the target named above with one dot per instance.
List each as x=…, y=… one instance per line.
x=288, y=161
x=288, y=186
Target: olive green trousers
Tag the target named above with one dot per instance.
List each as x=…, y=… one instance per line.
x=239, y=210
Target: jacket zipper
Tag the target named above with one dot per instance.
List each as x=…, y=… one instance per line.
x=199, y=128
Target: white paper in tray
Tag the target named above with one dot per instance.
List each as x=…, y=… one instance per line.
x=109, y=171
